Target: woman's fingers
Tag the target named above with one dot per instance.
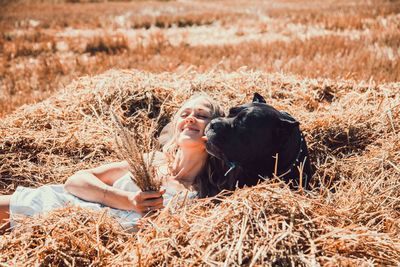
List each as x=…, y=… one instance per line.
x=152, y=202
x=148, y=200
x=150, y=208
x=151, y=194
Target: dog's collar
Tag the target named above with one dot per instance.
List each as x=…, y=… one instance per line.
x=297, y=160
x=232, y=166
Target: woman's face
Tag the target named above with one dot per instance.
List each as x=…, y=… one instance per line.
x=191, y=121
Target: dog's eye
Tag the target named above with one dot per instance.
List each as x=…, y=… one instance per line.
x=234, y=111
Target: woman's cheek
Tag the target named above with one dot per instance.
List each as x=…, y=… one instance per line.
x=178, y=127
x=204, y=127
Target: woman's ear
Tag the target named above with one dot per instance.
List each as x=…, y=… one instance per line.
x=257, y=98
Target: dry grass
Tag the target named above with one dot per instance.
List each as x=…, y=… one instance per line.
x=139, y=150
x=46, y=46
x=351, y=218
x=346, y=96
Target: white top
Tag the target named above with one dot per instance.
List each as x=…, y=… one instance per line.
x=34, y=201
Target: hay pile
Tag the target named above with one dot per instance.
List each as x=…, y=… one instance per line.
x=352, y=218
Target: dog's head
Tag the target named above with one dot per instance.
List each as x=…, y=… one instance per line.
x=250, y=135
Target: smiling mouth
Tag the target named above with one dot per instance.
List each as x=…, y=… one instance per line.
x=190, y=129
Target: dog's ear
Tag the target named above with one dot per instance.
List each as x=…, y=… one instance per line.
x=287, y=124
x=257, y=98
x=287, y=121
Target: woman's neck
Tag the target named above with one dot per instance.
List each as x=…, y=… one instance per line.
x=187, y=165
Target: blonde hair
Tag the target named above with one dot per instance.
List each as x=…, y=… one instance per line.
x=208, y=182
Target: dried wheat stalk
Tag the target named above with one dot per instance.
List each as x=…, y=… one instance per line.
x=139, y=151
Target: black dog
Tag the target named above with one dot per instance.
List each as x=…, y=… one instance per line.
x=257, y=141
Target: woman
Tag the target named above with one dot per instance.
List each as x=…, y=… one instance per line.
x=184, y=163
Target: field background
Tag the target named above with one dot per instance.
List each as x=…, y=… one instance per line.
x=46, y=46
x=334, y=65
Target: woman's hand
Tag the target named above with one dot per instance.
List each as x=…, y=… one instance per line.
x=143, y=202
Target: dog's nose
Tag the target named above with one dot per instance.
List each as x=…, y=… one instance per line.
x=216, y=124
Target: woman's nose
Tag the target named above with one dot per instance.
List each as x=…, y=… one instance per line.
x=190, y=118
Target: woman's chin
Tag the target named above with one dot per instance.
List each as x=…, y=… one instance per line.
x=188, y=141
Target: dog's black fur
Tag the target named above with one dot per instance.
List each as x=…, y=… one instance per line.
x=249, y=139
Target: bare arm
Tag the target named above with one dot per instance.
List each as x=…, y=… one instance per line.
x=95, y=185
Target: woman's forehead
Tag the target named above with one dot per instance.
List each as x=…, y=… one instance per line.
x=198, y=103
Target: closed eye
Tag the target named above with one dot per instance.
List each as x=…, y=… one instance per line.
x=240, y=118
x=200, y=116
x=204, y=117
x=234, y=111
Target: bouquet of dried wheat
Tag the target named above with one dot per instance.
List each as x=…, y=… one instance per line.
x=139, y=151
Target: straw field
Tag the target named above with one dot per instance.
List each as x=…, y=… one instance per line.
x=333, y=65
x=46, y=46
